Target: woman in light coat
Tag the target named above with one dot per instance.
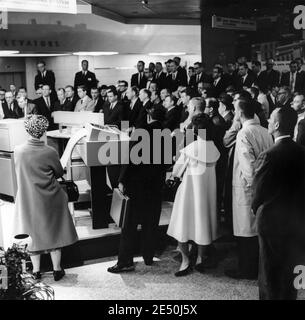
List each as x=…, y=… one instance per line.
x=41, y=203
x=194, y=215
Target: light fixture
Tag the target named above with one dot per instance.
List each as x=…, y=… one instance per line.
x=167, y=54
x=95, y=53
x=8, y=52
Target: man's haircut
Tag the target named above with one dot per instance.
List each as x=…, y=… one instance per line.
x=82, y=87
x=135, y=89
x=247, y=108
x=287, y=118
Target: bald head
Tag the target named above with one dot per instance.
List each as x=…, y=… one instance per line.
x=282, y=121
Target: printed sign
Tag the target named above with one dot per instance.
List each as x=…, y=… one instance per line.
x=233, y=24
x=3, y=19
x=59, y=6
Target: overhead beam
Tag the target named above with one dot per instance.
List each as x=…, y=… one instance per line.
x=107, y=14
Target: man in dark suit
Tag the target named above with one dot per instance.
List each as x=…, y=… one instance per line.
x=219, y=84
x=45, y=106
x=138, y=79
x=176, y=78
x=11, y=109
x=160, y=77
x=134, y=108
x=294, y=80
x=144, y=96
x=270, y=78
x=96, y=104
x=278, y=202
x=71, y=98
x=173, y=114
x=301, y=133
x=283, y=97
x=181, y=71
x=200, y=75
x=271, y=97
x=85, y=78
x=27, y=105
x=114, y=112
x=43, y=77
x=246, y=79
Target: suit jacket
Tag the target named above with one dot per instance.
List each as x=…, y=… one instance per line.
x=95, y=106
x=182, y=75
x=114, y=116
x=161, y=80
x=219, y=88
x=278, y=190
x=133, y=114
x=248, y=82
x=88, y=80
x=267, y=79
x=179, y=80
x=42, y=109
x=48, y=79
x=12, y=114
x=299, y=81
x=204, y=77
x=172, y=119
x=135, y=81
x=84, y=104
x=228, y=118
x=272, y=105
x=301, y=133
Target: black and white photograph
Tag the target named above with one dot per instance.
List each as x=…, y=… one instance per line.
x=152, y=153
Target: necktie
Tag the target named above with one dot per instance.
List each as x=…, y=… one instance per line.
x=139, y=79
x=42, y=75
x=292, y=81
x=174, y=76
x=198, y=77
x=81, y=102
x=48, y=102
x=215, y=83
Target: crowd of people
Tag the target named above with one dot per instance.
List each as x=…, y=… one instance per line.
x=252, y=155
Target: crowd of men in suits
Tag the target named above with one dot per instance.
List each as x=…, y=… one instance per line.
x=250, y=171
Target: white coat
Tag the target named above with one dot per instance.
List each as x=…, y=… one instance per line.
x=194, y=214
x=251, y=141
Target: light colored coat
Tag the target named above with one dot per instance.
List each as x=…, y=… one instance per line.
x=251, y=141
x=194, y=214
x=41, y=204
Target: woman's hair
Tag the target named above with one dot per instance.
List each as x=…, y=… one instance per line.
x=36, y=125
x=202, y=126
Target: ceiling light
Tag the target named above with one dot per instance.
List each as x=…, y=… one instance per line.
x=8, y=52
x=95, y=53
x=167, y=53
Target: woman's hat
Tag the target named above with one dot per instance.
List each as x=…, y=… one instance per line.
x=36, y=125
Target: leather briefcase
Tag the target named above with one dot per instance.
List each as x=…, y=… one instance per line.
x=119, y=208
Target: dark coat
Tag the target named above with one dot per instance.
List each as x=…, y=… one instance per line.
x=48, y=79
x=144, y=182
x=172, y=119
x=301, y=132
x=204, y=77
x=299, y=81
x=133, y=114
x=248, y=82
x=219, y=88
x=12, y=114
x=278, y=190
x=114, y=116
x=272, y=105
x=161, y=80
x=43, y=110
x=269, y=79
x=135, y=81
x=89, y=80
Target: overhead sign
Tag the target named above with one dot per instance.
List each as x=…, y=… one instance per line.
x=3, y=19
x=57, y=6
x=233, y=24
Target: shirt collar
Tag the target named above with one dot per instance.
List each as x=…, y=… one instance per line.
x=281, y=138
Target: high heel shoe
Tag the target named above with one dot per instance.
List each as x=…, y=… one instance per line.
x=184, y=272
x=58, y=274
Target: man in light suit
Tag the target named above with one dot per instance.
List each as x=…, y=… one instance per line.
x=85, y=102
x=278, y=203
x=251, y=141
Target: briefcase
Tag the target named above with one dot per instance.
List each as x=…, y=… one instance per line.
x=119, y=208
x=70, y=188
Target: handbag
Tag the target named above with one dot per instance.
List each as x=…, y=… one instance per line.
x=70, y=188
x=120, y=205
x=172, y=184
